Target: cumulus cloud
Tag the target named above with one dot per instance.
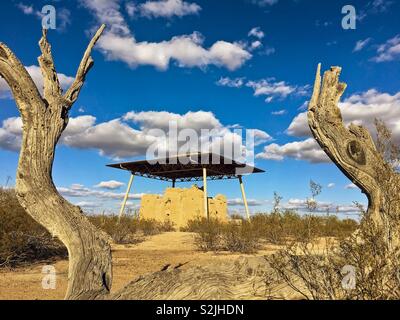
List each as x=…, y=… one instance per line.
x=361, y=109
x=119, y=44
x=26, y=9
x=167, y=8
x=321, y=207
x=138, y=132
x=270, y=88
x=307, y=150
x=36, y=74
x=111, y=185
x=84, y=192
x=388, y=51
x=257, y=33
x=239, y=202
x=232, y=83
x=351, y=186
x=361, y=44
x=264, y=3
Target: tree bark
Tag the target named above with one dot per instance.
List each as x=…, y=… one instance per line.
x=90, y=264
x=44, y=120
x=354, y=152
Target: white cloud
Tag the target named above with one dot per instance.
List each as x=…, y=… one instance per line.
x=256, y=45
x=361, y=44
x=161, y=120
x=89, y=193
x=321, y=207
x=361, y=109
x=119, y=44
x=131, y=9
x=10, y=134
x=273, y=89
x=233, y=83
x=307, y=150
x=279, y=112
x=36, y=74
x=265, y=87
x=168, y=8
x=88, y=204
x=351, y=186
x=388, y=51
x=330, y=185
x=257, y=33
x=26, y=9
x=250, y=202
x=118, y=139
x=263, y=3
x=111, y=185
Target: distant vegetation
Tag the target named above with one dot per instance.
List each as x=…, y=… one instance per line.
x=278, y=228
x=22, y=239
x=130, y=230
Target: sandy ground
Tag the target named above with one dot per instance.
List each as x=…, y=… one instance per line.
x=129, y=262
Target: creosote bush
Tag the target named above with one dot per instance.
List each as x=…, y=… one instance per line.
x=278, y=228
x=130, y=230
x=22, y=239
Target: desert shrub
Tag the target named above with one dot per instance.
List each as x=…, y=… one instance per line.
x=130, y=229
x=209, y=233
x=213, y=235
x=241, y=237
x=362, y=266
x=22, y=239
x=280, y=227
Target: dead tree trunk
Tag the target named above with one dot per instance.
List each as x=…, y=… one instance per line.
x=354, y=152
x=90, y=264
x=44, y=120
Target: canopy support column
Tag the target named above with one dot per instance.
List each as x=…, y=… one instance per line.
x=173, y=183
x=128, y=190
x=244, y=198
x=206, y=213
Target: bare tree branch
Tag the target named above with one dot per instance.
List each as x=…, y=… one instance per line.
x=84, y=67
x=353, y=150
x=21, y=84
x=52, y=87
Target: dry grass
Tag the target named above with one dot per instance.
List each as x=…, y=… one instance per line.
x=23, y=240
x=130, y=230
x=275, y=228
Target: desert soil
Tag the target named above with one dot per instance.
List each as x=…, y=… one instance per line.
x=129, y=262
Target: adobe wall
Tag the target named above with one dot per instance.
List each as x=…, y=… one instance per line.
x=181, y=205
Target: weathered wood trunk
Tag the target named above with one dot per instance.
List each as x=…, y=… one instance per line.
x=354, y=152
x=90, y=265
x=44, y=120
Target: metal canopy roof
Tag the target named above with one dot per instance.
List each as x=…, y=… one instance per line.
x=188, y=167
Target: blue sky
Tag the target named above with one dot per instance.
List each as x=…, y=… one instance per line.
x=215, y=63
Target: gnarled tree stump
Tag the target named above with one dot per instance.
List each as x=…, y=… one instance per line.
x=354, y=152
